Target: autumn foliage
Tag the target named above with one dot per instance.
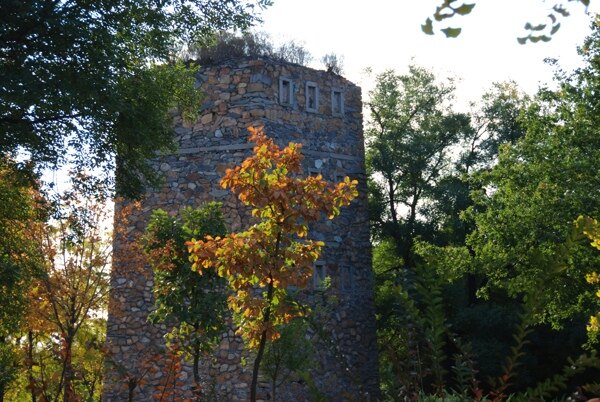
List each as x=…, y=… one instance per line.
x=275, y=253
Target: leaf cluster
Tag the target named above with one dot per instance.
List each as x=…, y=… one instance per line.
x=98, y=78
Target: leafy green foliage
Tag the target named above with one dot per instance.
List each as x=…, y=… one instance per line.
x=412, y=327
x=526, y=203
x=591, y=229
x=20, y=255
x=100, y=77
x=142, y=125
x=559, y=382
x=409, y=138
x=197, y=304
x=444, y=11
x=497, y=223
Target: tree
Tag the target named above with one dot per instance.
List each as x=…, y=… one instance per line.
x=73, y=289
x=273, y=254
x=21, y=222
x=529, y=199
x=99, y=77
x=409, y=137
x=539, y=32
x=195, y=303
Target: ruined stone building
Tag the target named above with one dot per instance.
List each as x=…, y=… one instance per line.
x=321, y=110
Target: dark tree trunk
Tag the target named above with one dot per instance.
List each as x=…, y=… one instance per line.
x=195, y=367
x=131, y=384
x=30, y=366
x=68, y=392
x=2, y=385
x=261, y=345
x=407, y=252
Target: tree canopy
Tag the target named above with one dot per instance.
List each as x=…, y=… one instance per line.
x=91, y=80
x=409, y=138
x=529, y=200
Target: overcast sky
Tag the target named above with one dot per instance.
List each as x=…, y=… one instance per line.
x=384, y=34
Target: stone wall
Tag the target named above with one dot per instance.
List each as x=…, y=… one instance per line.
x=240, y=94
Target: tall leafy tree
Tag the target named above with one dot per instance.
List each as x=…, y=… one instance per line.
x=196, y=303
x=410, y=138
x=263, y=261
x=98, y=78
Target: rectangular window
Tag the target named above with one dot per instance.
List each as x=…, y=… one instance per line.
x=337, y=102
x=319, y=274
x=286, y=91
x=312, y=97
x=346, y=282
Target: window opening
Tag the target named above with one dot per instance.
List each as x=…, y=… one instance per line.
x=285, y=91
x=312, y=97
x=337, y=102
x=319, y=274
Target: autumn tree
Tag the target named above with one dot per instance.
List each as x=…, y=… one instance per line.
x=197, y=304
x=73, y=289
x=591, y=229
x=275, y=253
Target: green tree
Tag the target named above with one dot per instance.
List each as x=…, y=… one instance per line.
x=98, y=78
x=528, y=200
x=291, y=354
x=196, y=303
x=409, y=138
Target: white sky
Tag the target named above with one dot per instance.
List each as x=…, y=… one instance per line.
x=385, y=34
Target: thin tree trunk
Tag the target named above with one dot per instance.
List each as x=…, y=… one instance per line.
x=68, y=394
x=30, y=365
x=410, y=229
x=196, y=366
x=274, y=384
x=131, y=384
x=261, y=345
x=2, y=385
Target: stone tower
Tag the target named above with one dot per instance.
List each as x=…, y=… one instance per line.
x=321, y=110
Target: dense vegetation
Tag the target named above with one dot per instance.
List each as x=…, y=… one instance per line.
x=486, y=283
x=481, y=271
